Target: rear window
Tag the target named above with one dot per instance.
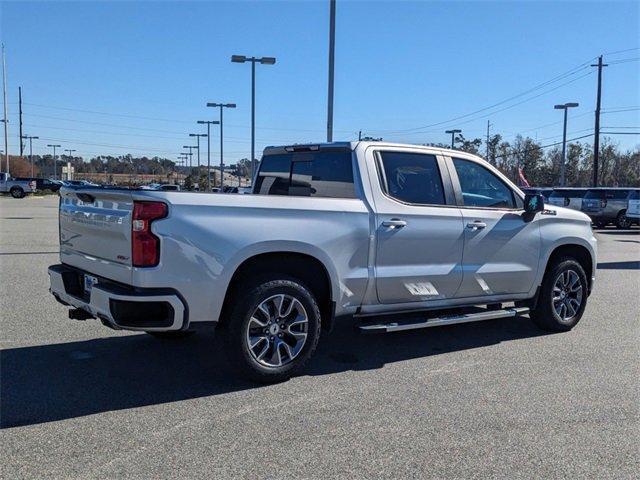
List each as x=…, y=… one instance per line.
x=634, y=195
x=594, y=194
x=321, y=173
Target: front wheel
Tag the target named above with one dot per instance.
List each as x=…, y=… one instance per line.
x=622, y=221
x=563, y=297
x=273, y=331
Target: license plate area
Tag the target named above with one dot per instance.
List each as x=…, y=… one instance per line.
x=89, y=281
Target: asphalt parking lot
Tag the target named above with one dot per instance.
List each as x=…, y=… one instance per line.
x=494, y=399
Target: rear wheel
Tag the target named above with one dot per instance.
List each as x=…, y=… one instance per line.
x=273, y=331
x=622, y=221
x=16, y=192
x=563, y=296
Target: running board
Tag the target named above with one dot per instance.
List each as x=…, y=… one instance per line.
x=446, y=320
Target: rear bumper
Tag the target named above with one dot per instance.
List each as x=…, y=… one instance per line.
x=120, y=306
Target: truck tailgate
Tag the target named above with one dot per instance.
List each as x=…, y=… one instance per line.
x=95, y=231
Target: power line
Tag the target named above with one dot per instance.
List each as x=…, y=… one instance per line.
x=540, y=147
x=622, y=51
x=489, y=114
x=624, y=60
x=567, y=74
x=95, y=112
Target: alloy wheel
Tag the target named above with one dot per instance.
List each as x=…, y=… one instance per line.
x=567, y=295
x=277, y=330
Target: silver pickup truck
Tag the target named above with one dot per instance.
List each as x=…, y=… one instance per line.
x=16, y=188
x=366, y=229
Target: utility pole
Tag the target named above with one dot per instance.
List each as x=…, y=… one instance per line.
x=55, y=174
x=453, y=135
x=208, y=123
x=596, y=139
x=359, y=135
x=31, y=139
x=332, y=48
x=221, y=106
x=488, y=127
x=20, y=114
x=5, y=118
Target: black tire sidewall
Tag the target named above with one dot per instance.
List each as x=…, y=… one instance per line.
x=245, y=305
x=544, y=314
x=16, y=192
x=622, y=218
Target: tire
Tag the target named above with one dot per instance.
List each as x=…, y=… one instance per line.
x=174, y=335
x=600, y=225
x=273, y=330
x=546, y=315
x=622, y=221
x=16, y=192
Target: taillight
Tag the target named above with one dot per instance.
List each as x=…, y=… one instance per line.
x=566, y=201
x=145, y=246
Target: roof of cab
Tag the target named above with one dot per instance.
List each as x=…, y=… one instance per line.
x=271, y=150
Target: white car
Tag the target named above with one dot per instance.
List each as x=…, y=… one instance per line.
x=568, y=197
x=633, y=206
x=364, y=229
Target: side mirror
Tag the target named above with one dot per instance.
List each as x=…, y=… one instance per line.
x=533, y=202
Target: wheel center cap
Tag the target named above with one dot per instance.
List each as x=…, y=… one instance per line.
x=274, y=329
x=562, y=295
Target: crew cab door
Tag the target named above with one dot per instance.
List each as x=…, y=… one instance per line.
x=419, y=231
x=501, y=245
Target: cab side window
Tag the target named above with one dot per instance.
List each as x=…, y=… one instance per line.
x=481, y=188
x=412, y=178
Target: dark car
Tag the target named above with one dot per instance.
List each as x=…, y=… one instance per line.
x=43, y=183
x=544, y=191
x=607, y=205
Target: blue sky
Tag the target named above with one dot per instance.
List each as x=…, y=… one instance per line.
x=134, y=77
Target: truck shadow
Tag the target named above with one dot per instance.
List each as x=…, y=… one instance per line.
x=47, y=383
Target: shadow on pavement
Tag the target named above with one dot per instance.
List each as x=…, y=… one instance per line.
x=618, y=232
x=46, y=383
x=631, y=265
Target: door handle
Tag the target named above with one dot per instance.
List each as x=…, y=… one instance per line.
x=394, y=223
x=477, y=225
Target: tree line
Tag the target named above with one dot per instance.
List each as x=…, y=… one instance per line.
x=540, y=166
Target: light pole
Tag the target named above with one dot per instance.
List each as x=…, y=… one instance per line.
x=31, y=139
x=253, y=60
x=221, y=106
x=332, y=50
x=198, y=135
x=564, y=107
x=208, y=123
x=453, y=135
x=69, y=152
x=190, y=147
x=55, y=173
